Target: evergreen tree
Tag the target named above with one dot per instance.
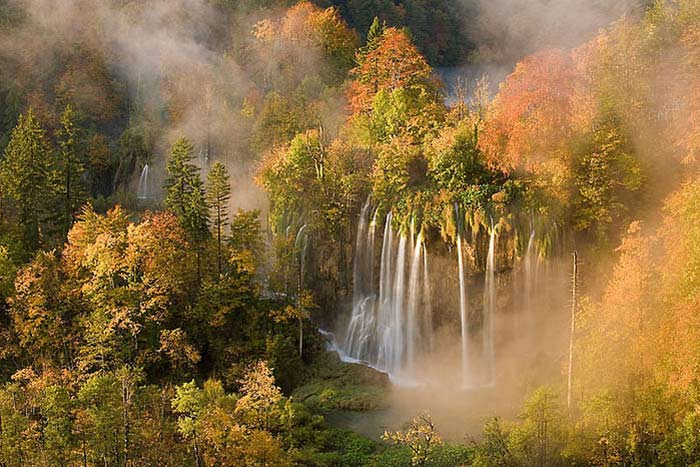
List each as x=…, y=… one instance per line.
x=374, y=37
x=24, y=177
x=70, y=168
x=185, y=191
x=218, y=195
x=185, y=196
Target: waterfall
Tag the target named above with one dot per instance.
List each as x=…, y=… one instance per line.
x=530, y=264
x=489, y=304
x=398, y=308
x=413, y=301
x=463, y=312
x=390, y=331
x=142, y=190
x=301, y=243
x=361, y=326
x=385, y=305
x=427, y=303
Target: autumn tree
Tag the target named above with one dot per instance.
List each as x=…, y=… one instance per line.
x=421, y=437
x=42, y=312
x=246, y=242
x=529, y=125
x=393, y=63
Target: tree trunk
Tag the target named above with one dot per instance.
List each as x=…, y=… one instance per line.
x=218, y=236
x=569, y=401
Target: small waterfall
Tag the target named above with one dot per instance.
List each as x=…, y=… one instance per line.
x=413, y=303
x=396, y=351
x=530, y=264
x=142, y=190
x=463, y=312
x=301, y=243
x=490, y=304
x=427, y=303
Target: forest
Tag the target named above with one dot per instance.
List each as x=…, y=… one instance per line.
x=349, y=233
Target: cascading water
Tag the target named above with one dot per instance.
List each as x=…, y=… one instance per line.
x=489, y=305
x=463, y=318
x=530, y=264
x=362, y=322
x=413, y=303
x=385, y=306
x=390, y=331
x=427, y=303
x=142, y=190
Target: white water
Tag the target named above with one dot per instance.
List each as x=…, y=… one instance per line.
x=489, y=305
x=463, y=313
x=389, y=332
x=142, y=190
x=361, y=327
x=530, y=266
x=391, y=324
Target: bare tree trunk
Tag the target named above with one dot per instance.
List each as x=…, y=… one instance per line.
x=299, y=310
x=569, y=401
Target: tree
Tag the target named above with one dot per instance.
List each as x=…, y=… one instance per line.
x=185, y=196
x=70, y=168
x=529, y=126
x=41, y=311
x=260, y=398
x=246, y=241
x=393, y=63
x=218, y=195
x=421, y=437
x=25, y=175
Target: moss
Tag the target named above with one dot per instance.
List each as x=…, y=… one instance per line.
x=333, y=385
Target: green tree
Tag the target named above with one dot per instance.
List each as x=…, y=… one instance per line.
x=185, y=195
x=70, y=168
x=56, y=406
x=24, y=177
x=218, y=195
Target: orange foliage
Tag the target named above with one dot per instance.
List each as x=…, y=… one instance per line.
x=531, y=115
x=394, y=63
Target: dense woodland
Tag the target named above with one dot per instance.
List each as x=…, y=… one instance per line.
x=175, y=330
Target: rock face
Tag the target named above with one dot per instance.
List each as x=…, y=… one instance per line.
x=334, y=384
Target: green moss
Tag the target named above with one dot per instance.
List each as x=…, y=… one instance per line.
x=336, y=385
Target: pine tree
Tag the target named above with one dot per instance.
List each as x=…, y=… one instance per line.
x=25, y=175
x=374, y=37
x=185, y=191
x=186, y=197
x=70, y=168
x=218, y=195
